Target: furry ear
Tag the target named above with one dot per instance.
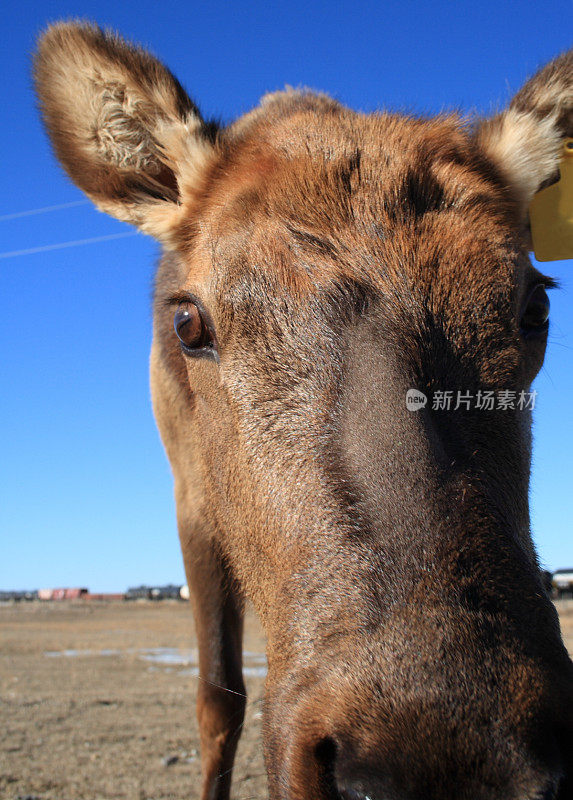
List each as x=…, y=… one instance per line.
x=121, y=124
x=526, y=140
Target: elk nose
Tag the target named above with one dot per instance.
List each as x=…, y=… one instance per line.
x=362, y=791
x=349, y=779
x=353, y=794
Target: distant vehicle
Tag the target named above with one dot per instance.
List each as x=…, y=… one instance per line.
x=107, y=596
x=138, y=593
x=562, y=583
x=18, y=596
x=169, y=592
x=62, y=594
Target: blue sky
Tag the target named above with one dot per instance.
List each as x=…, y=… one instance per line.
x=85, y=489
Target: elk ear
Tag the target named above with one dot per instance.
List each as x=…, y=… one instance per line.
x=526, y=140
x=121, y=124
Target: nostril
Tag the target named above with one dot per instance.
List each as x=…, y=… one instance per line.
x=335, y=776
x=550, y=793
x=356, y=793
x=325, y=753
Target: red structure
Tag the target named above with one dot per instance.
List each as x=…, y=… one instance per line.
x=62, y=594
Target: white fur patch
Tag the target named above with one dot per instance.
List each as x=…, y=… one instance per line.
x=122, y=136
x=525, y=147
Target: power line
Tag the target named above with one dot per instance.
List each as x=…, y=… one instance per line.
x=76, y=243
x=43, y=210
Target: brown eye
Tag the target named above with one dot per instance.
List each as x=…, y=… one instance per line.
x=192, y=330
x=535, y=319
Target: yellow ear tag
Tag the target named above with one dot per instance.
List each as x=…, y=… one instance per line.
x=551, y=214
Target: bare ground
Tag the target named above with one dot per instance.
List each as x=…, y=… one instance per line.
x=104, y=722
x=97, y=702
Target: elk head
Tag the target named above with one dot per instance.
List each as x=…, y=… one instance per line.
x=318, y=264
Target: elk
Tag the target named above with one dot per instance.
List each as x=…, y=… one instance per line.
x=318, y=263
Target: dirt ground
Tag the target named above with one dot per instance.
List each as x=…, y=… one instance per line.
x=97, y=702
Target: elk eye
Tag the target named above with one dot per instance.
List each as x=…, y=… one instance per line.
x=535, y=319
x=192, y=330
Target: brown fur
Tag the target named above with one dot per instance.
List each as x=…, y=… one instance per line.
x=343, y=258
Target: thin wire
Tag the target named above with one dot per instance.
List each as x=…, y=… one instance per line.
x=43, y=210
x=224, y=688
x=75, y=243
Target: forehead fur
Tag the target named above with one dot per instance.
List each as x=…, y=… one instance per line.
x=315, y=191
